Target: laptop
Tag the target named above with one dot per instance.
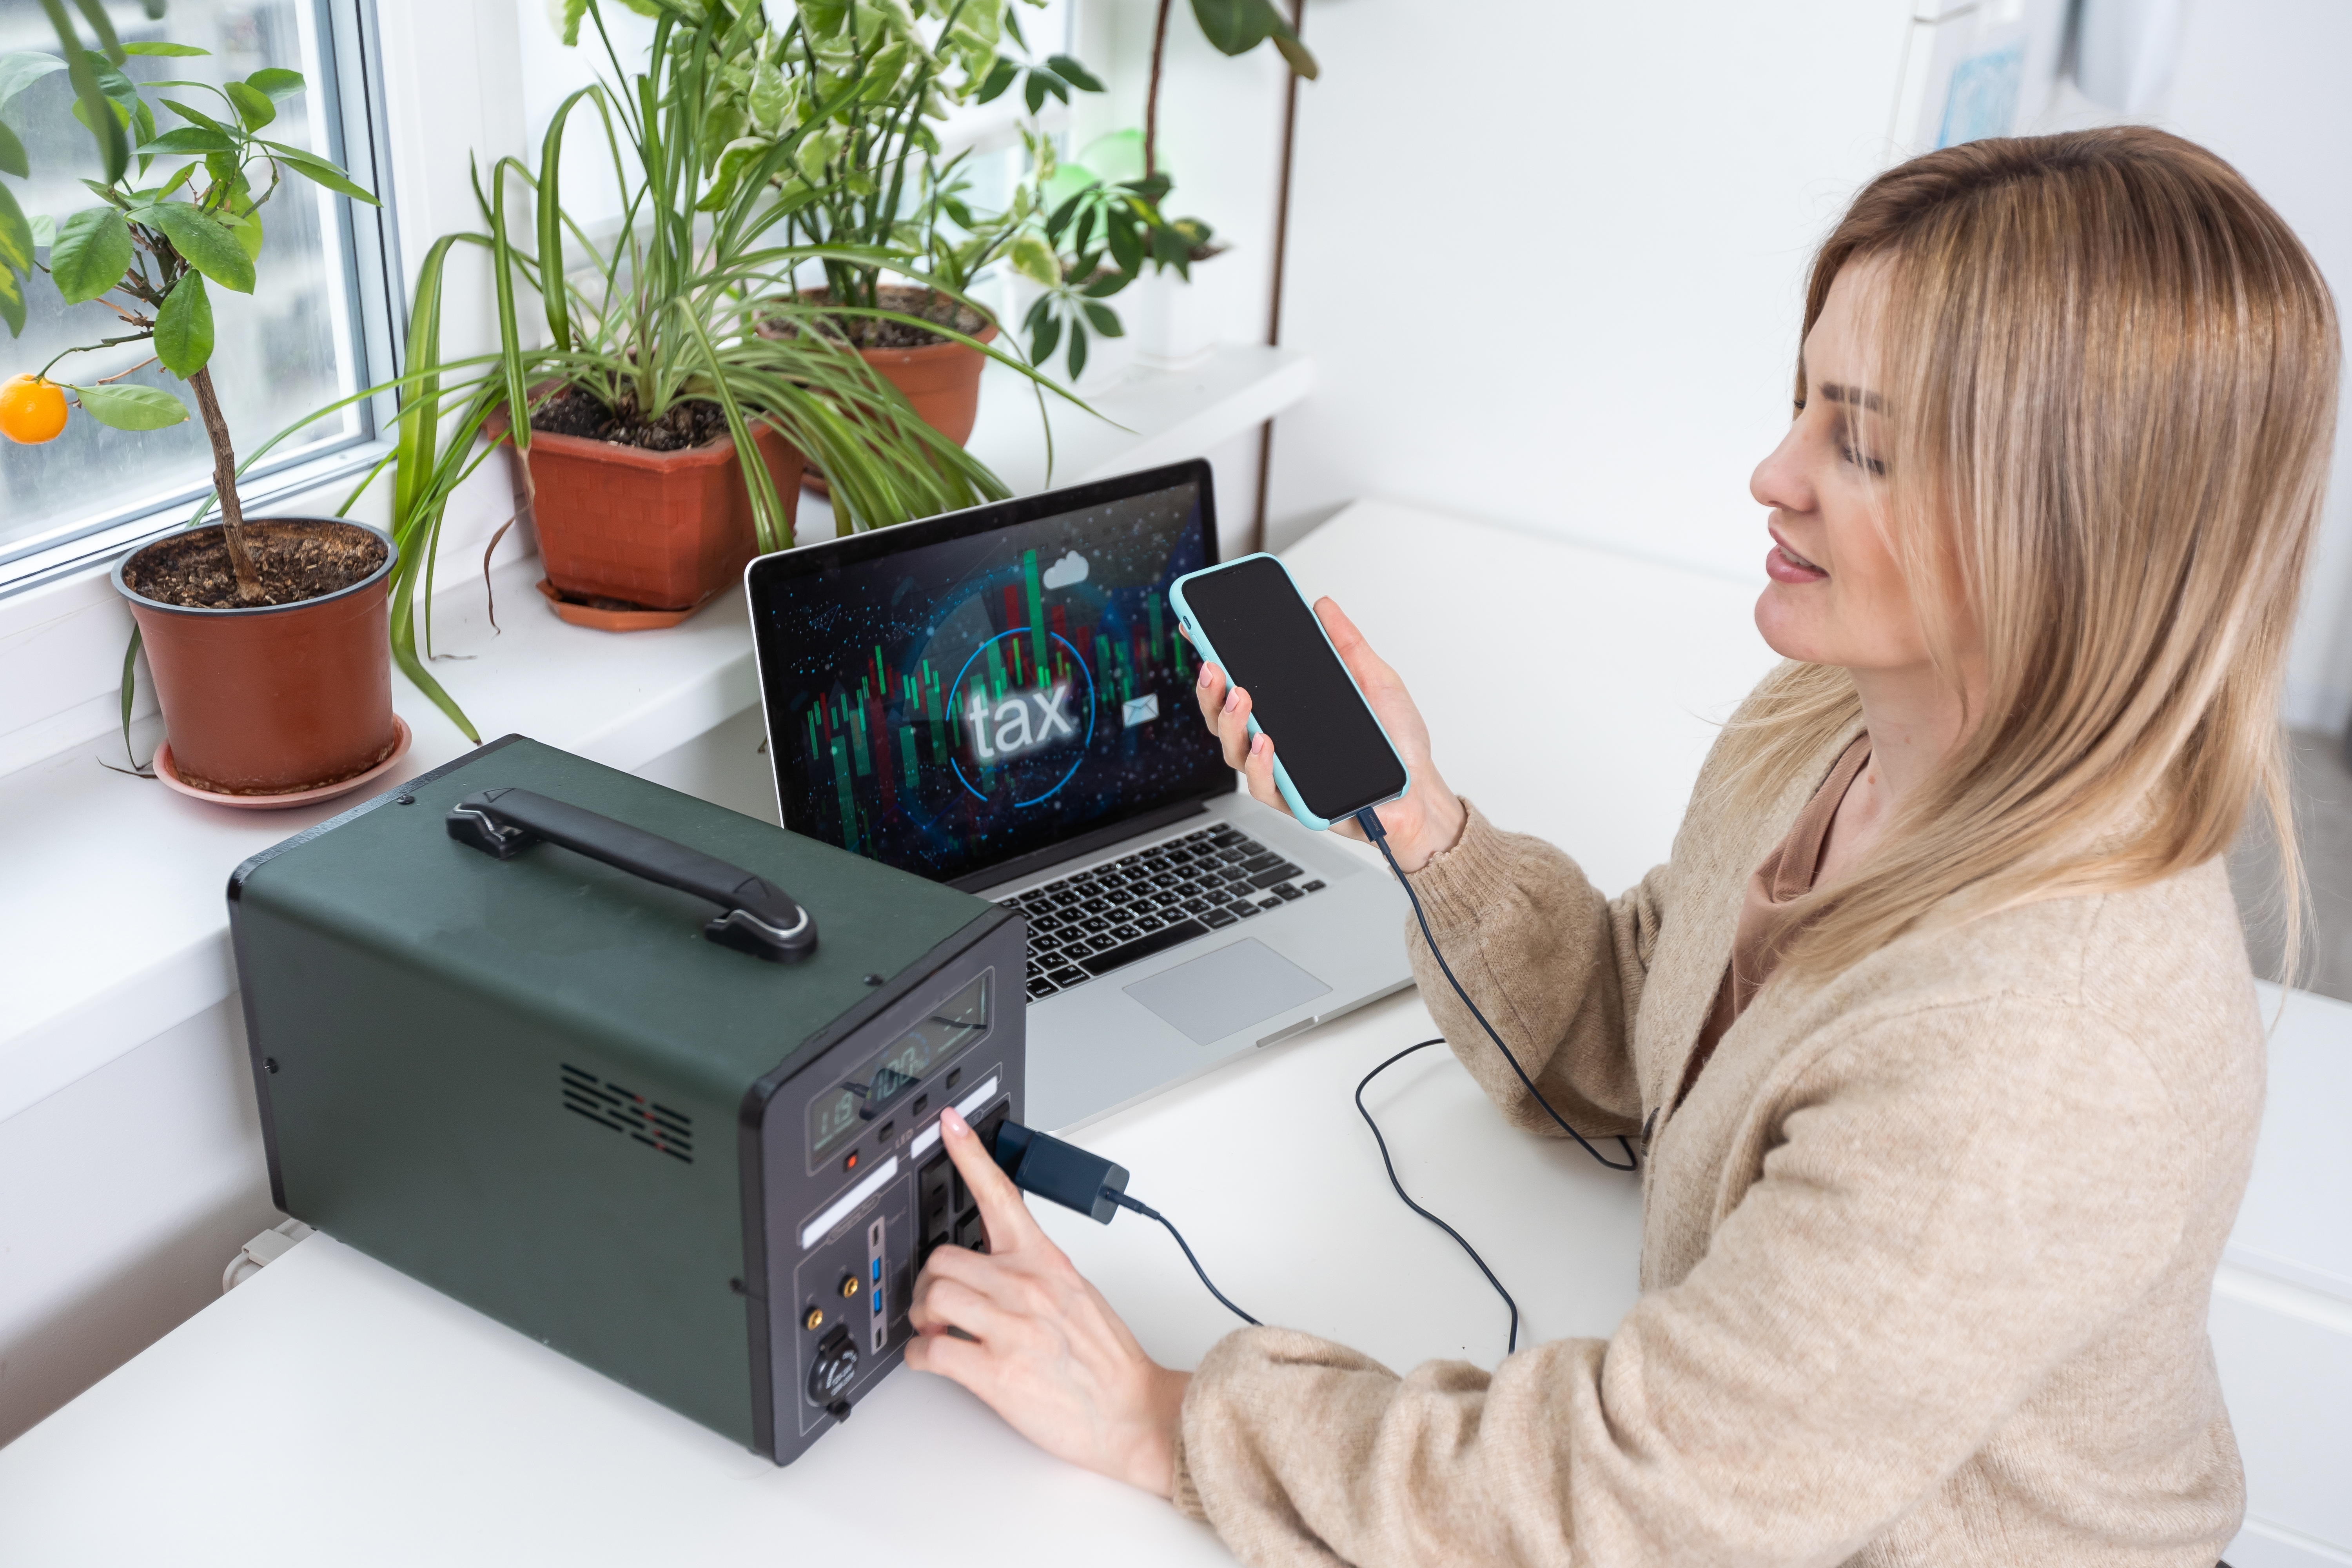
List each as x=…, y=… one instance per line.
x=998, y=699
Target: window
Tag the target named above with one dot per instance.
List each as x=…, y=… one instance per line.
x=318, y=328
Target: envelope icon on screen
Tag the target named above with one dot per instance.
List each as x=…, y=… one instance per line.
x=1140, y=710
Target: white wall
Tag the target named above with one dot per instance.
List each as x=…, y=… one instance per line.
x=1572, y=308
x=2263, y=83
x=1575, y=309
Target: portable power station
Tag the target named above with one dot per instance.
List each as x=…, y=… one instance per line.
x=646, y=1079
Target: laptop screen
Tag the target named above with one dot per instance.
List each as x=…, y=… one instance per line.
x=949, y=694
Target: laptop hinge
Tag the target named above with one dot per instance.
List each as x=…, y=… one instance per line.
x=1042, y=860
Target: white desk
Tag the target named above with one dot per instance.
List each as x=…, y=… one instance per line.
x=332, y=1410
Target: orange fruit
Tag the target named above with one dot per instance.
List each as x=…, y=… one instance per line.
x=31, y=410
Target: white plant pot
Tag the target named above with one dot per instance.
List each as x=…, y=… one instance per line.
x=1167, y=320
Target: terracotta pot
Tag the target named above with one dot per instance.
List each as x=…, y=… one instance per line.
x=941, y=380
x=278, y=699
x=667, y=531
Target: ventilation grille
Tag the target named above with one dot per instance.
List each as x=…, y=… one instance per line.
x=622, y=1111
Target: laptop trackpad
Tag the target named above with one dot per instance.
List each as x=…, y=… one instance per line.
x=1227, y=990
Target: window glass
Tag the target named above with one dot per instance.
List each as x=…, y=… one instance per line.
x=285, y=351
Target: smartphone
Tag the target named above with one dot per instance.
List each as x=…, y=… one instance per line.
x=1332, y=759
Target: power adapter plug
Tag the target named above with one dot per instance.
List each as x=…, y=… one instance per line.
x=1041, y=1163
x=1064, y=1172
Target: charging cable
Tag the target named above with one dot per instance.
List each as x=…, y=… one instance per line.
x=1088, y=1184
x=1369, y=820
x=1407, y=1196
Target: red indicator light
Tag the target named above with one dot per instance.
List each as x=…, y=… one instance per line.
x=850, y=1163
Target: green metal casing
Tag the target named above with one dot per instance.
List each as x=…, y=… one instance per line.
x=412, y=1006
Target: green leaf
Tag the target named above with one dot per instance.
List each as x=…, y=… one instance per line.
x=198, y=117
x=1125, y=249
x=1071, y=72
x=94, y=12
x=12, y=302
x=184, y=327
x=1236, y=27
x=12, y=155
x=187, y=172
x=188, y=139
x=113, y=83
x=1034, y=259
x=247, y=227
x=45, y=231
x=1301, y=62
x=1041, y=341
x=158, y=48
x=1033, y=91
x=15, y=235
x=999, y=77
x=92, y=253
x=276, y=83
x=1105, y=319
x=1077, y=350
x=20, y=70
x=312, y=166
x=574, y=11
x=92, y=106
x=253, y=106
x=131, y=407
x=206, y=243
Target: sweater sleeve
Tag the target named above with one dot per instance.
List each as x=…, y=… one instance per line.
x=1952, y=1204
x=1556, y=967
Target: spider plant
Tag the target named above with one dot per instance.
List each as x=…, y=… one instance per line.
x=662, y=310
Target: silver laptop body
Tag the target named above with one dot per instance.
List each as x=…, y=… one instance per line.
x=1174, y=923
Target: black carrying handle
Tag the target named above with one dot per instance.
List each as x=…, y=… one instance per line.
x=762, y=918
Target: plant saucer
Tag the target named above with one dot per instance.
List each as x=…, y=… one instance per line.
x=603, y=616
x=169, y=772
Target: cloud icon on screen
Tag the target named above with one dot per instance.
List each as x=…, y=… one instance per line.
x=1069, y=569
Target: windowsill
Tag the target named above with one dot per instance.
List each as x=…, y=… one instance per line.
x=113, y=914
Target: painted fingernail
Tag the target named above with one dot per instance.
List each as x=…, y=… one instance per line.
x=1260, y=746
x=1205, y=673
x=954, y=1126
x=1233, y=699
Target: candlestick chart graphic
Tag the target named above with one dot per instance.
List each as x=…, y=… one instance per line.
x=1046, y=685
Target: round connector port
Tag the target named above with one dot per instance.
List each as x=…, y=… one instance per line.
x=848, y=1287
x=815, y=1321
x=833, y=1367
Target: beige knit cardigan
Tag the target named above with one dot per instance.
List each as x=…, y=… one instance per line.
x=1926, y=1253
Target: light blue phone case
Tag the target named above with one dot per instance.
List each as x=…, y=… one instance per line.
x=1184, y=618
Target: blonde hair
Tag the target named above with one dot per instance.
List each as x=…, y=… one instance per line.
x=2108, y=372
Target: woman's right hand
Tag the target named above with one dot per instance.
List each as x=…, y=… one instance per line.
x=1427, y=821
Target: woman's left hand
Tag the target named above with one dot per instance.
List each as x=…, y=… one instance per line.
x=1045, y=1350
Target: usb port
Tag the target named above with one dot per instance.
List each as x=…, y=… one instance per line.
x=878, y=1273
x=877, y=1303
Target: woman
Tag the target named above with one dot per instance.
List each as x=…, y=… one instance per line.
x=1938, y=1027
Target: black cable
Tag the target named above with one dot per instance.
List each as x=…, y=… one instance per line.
x=1513, y=1348
x=1148, y=1211
x=1369, y=820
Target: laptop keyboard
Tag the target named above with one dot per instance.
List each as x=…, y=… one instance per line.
x=1112, y=915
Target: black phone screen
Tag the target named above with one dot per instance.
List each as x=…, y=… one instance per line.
x=1271, y=645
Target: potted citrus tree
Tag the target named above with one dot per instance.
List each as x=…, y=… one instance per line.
x=266, y=635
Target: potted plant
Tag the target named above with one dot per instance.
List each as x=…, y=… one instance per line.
x=654, y=376
x=855, y=90
x=266, y=637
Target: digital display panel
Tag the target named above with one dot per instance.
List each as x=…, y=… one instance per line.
x=899, y=1066
x=943, y=704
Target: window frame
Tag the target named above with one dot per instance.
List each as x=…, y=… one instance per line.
x=352, y=80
